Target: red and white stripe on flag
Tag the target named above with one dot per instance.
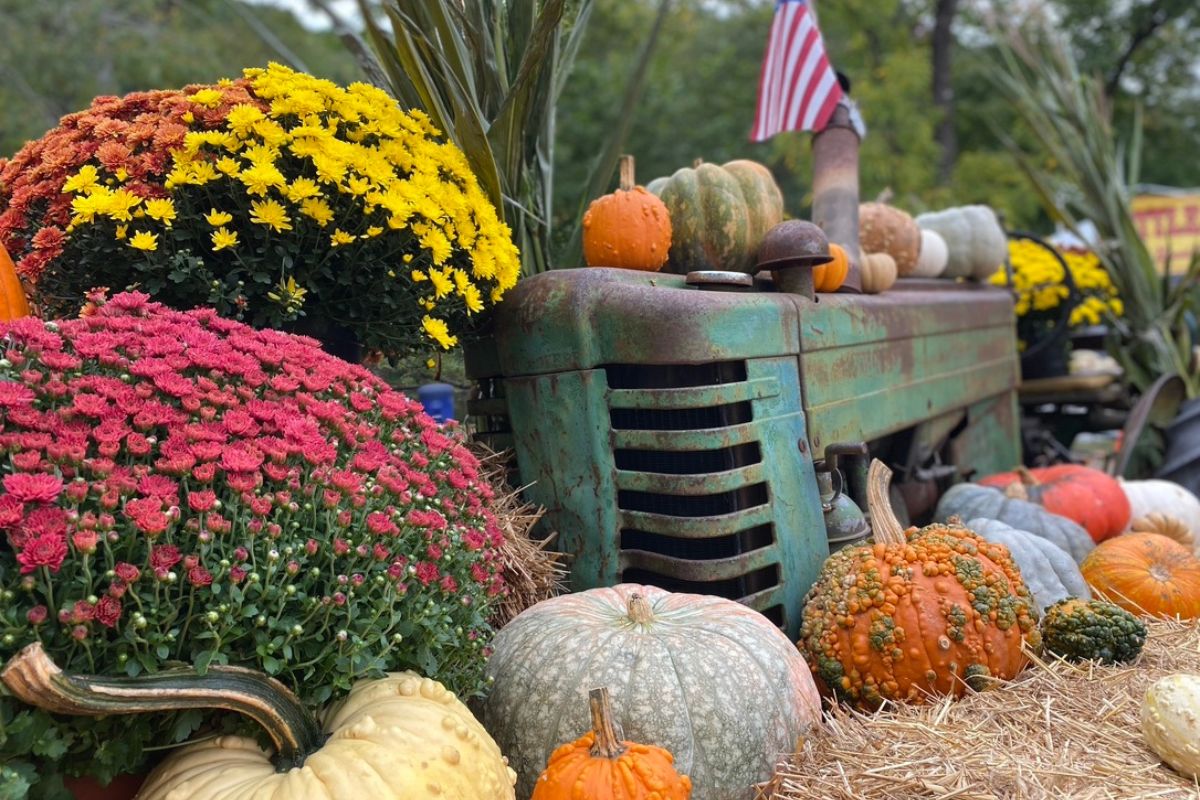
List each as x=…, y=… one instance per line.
x=798, y=89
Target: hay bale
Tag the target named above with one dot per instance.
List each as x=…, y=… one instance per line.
x=1058, y=730
x=532, y=571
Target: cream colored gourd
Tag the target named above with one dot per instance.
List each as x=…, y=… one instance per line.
x=396, y=738
x=1163, y=497
x=975, y=241
x=931, y=262
x=1171, y=722
x=878, y=273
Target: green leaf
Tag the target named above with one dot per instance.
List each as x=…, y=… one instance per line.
x=185, y=724
x=202, y=660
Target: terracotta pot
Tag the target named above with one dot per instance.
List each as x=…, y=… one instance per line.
x=123, y=787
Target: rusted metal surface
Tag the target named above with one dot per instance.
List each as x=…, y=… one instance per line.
x=671, y=431
x=877, y=364
x=835, y=190
x=789, y=252
x=719, y=281
x=584, y=318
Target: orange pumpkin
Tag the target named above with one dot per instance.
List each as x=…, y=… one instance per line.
x=630, y=228
x=915, y=613
x=598, y=766
x=830, y=276
x=1088, y=496
x=13, y=304
x=1145, y=573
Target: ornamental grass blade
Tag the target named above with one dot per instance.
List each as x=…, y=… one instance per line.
x=521, y=107
x=606, y=163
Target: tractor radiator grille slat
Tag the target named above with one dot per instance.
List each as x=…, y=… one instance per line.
x=692, y=489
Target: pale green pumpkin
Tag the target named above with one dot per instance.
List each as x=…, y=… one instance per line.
x=712, y=681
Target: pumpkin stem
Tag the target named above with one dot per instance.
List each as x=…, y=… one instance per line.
x=1027, y=477
x=35, y=679
x=608, y=741
x=885, y=528
x=697, y=162
x=639, y=610
x=627, y=181
x=1017, y=491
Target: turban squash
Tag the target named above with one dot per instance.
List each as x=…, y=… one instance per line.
x=915, y=613
x=396, y=738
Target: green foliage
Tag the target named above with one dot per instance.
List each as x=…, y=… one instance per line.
x=58, y=56
x=1079, y=630
x=1070, y=118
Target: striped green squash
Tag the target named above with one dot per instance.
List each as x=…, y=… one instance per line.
x=719, y=214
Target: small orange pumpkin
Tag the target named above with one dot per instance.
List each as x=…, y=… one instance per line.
x=13, y=304
x=598, y=766
x=630, y=228
x=830, y=276
x=1145, y=573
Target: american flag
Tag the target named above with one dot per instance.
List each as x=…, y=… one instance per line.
x=798, y=89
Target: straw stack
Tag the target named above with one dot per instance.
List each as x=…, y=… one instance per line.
x=1058, y=730
x=532, y=572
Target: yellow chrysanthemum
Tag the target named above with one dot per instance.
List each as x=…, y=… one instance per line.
x=121, y=231
x=442, y=285
x=302, y=189
x=317, y=209
x=241, y=118
x=209, y=98
x=472, y=299
x=161, y=210
x=119, y=205
x=144, y=240
x=228, y=166
x=223, y=238
x=271, y=214
x=340, y=237
x=438, y=331
x=81, y=181
x=218, y=218
x=259, y=178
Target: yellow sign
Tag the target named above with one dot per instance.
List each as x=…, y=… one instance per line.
x=1170, y=227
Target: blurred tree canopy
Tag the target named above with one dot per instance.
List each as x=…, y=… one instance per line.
x=700, y=93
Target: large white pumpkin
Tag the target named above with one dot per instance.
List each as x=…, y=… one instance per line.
x=710, y=680
x=1163, y=497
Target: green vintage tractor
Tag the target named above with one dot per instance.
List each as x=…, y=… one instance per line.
x=710, y=433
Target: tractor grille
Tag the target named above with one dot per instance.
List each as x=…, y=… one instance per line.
x=692, y=494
